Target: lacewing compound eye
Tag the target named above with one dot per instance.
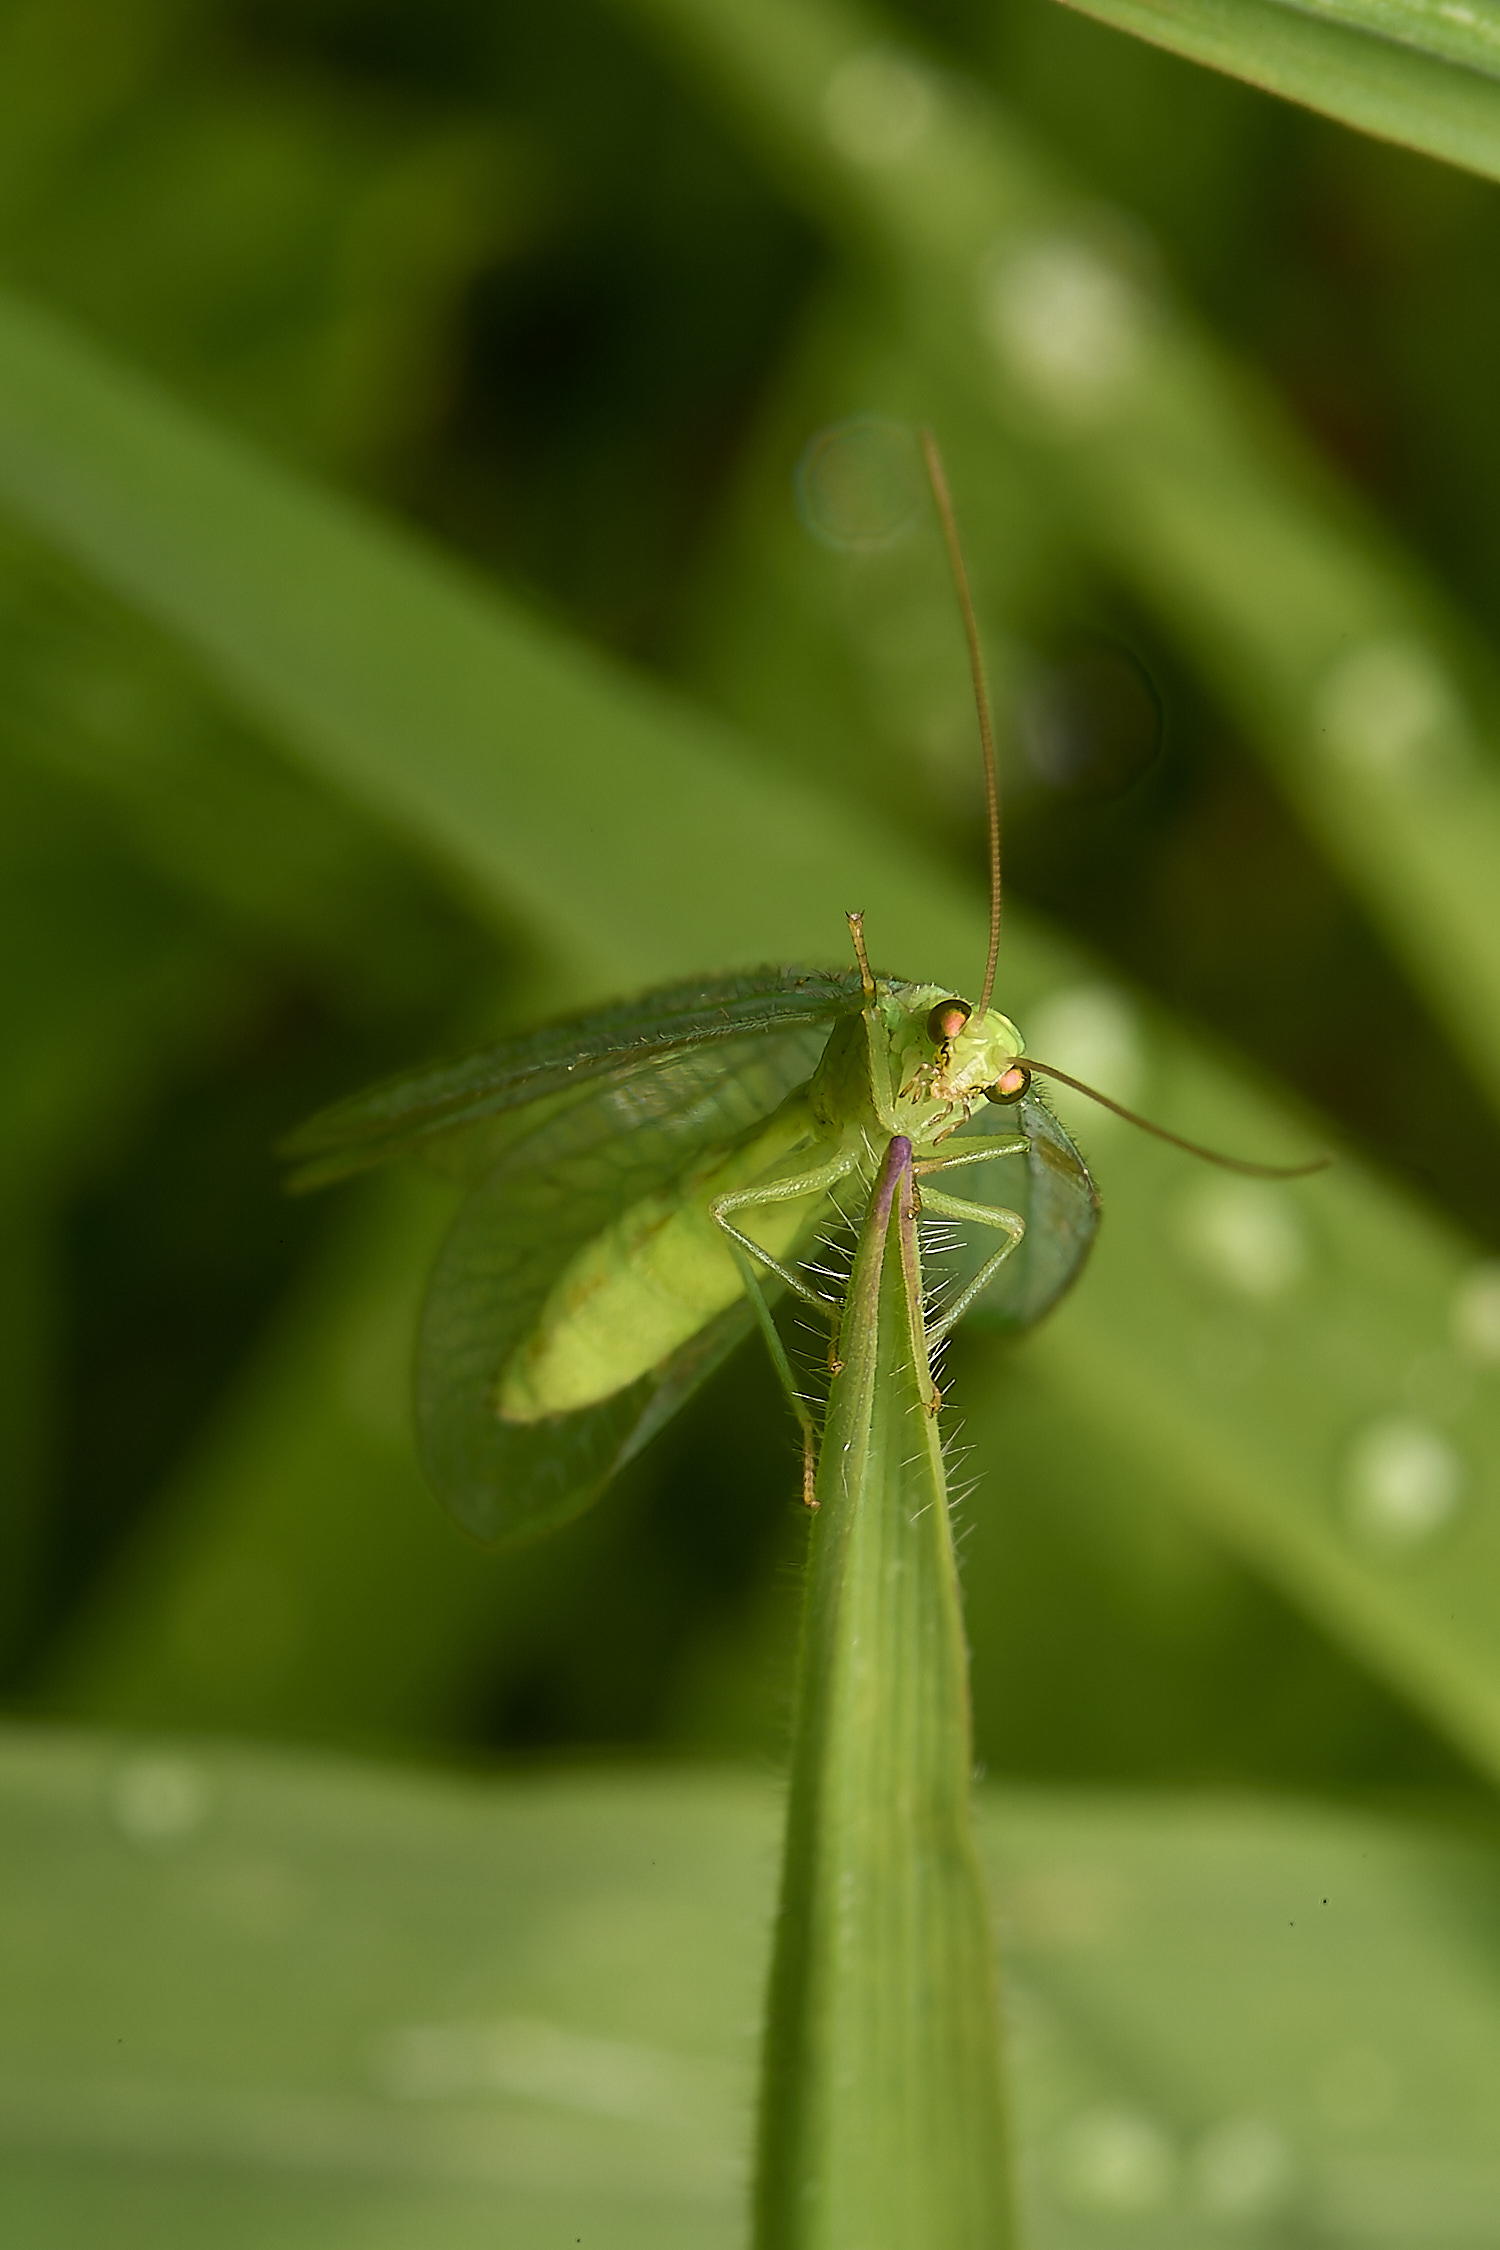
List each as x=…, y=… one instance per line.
x=947, y=1020
x=1010, y=1086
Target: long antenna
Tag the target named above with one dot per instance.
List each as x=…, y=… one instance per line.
x=1193, y=1148
x=939, y=482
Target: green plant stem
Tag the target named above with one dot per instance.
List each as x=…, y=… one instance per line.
x=882, y=2121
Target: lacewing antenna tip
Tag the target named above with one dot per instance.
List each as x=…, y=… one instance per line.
x=1242, y=1164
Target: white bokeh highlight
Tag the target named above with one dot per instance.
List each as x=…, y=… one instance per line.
x=1066, y=322
x=1403, y=1482
x=1388, y=711
x=879, y=107
x=1245, y=1235
x=1093, y=1031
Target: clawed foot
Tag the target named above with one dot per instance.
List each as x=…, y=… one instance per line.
x=809, y=1475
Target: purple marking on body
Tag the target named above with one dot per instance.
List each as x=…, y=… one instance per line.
x=897, y=1158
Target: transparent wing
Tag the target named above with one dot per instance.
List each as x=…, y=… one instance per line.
x=461, y=1113
x=548, y=1194
x=1050, y=1187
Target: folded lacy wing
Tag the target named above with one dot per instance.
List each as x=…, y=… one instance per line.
x=552, y=1191
x=453, y=1112
x=1049, y=1185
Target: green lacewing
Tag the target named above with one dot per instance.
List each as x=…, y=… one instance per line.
x=644, y=1178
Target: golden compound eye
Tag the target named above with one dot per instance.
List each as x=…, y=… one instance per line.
x=947, y=1020
x=1011, y=1086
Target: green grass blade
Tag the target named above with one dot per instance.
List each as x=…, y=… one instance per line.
x=882, y=2118
x=109, y=711
x=394, y=674
x=1422, y=75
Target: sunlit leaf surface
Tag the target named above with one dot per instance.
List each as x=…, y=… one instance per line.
x=274, y=2002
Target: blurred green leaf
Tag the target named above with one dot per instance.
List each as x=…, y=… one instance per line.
x=64, y=71
x=103, y=977
x=260, y=2001
x=299, y=1577
x=311, y=294
x=1406, y=70
x=1340, y=1434
x=253, y=1596
x=396, y=677
x=1116, y=1636
x=109, y=709
x=106, y=986
x=29, y=1386
x=1220, y=2000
